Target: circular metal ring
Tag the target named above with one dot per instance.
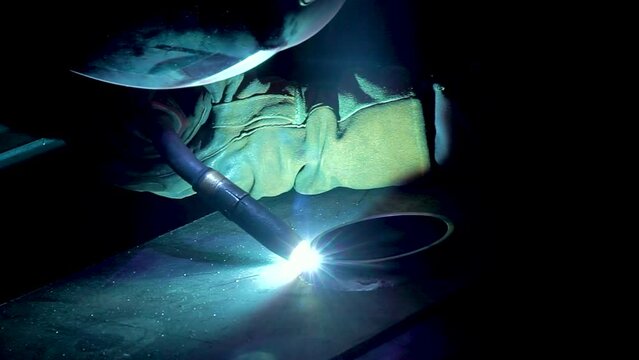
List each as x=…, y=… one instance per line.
x=377, y=251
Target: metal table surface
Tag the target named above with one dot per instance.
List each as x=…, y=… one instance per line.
x=209, y=291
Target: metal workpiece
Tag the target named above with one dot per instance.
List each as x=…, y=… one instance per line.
x=253, y=217
x=197, y=291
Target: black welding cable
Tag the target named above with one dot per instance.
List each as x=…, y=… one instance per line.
x=237, y=205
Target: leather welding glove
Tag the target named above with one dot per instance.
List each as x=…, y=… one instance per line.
x=269, y=136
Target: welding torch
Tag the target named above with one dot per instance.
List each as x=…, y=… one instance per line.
x=236, y=204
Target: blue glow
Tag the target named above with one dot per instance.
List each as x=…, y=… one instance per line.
x=303, y=259
x=277, y=275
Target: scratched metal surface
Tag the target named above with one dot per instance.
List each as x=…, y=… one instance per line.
x=209, y=291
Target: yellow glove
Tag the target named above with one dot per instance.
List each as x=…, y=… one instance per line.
x=270, y=136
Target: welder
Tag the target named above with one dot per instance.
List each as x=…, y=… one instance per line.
x=200, y=119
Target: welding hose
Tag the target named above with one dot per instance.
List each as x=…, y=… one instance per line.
x=236, y=204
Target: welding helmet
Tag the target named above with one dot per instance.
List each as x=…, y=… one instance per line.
x=153, y=45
